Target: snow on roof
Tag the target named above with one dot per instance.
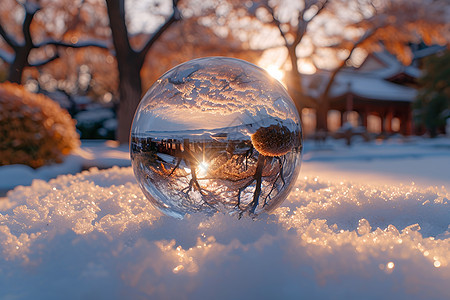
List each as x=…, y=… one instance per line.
x=392, y=67
x=82, y=99
x=413, y=71
x=370, y=81
x=371, y=88
x=362, y=85
x=421, y=53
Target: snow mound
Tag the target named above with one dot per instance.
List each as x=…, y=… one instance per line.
x=93, y=235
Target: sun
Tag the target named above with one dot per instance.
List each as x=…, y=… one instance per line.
x=203, y=168
x=275, y=72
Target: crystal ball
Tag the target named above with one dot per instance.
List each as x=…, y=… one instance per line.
x=214, y=135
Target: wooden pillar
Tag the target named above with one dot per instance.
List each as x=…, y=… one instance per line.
x=383, y=118
x=409, y=121
x=348, y=103
x=364, y=115
x=406, y=123
x=388, y=120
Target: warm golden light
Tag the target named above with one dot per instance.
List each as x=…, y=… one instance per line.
x=275, y=72
x=203, y=168
x=307, y=68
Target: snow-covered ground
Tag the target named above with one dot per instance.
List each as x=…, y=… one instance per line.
x=369, y=221
x=93, y=153
x=413, y=160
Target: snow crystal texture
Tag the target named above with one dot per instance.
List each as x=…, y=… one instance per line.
x=94, y=236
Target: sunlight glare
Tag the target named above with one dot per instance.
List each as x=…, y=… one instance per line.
x=390, y=265
x=203, y=168
x=306, y=67
x=275, y=72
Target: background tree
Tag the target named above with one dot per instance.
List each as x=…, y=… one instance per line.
x=432, y=107
x=35, y=40
x=392, y=25
x=333, y=32
x=130, y=61
x=203, y=31
x=212, y=28
x=291, y=19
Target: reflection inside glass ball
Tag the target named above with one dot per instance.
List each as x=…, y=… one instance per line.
x=216, y=134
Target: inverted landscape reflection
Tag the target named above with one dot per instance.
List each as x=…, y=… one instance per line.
x=216, y=134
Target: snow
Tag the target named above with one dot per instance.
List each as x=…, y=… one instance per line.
x=371, y=87
x=93, y=153
x=94, y=116
x=370, y=80
x=411, y=161
x=354, y=226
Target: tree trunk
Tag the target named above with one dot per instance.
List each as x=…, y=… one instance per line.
x=324, y=103
x=130, y=91
x=294, y=84
x=15, y=72
x=130, y=62
x=19, y=64
x=294, y=81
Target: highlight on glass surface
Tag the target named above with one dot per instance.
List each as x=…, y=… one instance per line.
x=216, y=134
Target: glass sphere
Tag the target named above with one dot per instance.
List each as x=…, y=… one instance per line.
x=216, y=134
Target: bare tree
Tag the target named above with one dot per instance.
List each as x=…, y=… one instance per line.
x=394, y=24
x=293, y=30
x=19, y=59
x=323, y=105
x=130, y=62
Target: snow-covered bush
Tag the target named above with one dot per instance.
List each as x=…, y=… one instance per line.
x=34, y=130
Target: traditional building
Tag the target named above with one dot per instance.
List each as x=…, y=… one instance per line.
x=378, y=95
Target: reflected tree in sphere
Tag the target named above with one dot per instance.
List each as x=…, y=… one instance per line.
x=216, y=135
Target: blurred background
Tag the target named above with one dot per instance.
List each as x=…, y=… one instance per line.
x=353, y=67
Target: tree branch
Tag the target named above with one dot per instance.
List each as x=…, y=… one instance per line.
x=176, y=16
x=362, y=39
x=319, y=10
x=8, y=39
x=30, y=10
x=45, y=61
x=72, y=24
x=277, y=23
x=7, y=57
x=303, y=24
x=80, y=44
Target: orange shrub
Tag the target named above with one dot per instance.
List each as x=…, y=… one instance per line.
x=34, y=130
